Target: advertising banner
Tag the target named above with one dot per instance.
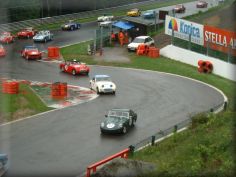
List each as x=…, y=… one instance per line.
x=219, y=39
x=183, y=28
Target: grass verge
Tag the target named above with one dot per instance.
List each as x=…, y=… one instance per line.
x=15, y=106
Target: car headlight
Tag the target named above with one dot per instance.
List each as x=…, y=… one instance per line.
x=102, y=124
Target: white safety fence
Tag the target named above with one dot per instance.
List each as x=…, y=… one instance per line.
x=221, y=68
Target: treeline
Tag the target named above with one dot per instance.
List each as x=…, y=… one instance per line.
x=18, y=10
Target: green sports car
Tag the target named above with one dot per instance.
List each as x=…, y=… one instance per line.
x=118, y=121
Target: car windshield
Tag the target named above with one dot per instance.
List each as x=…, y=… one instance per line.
x=41, y=32
x=118, y=113
x=115, y=119
x=31, y=48
x=105, y=78
x=138, y=40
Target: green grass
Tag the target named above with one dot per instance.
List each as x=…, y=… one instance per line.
x=15, y=106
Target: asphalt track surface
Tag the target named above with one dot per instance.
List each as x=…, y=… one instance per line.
x=63, y=142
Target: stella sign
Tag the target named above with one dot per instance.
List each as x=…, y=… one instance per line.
x=219, y=39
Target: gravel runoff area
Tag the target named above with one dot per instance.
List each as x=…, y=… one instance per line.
x=124, y=168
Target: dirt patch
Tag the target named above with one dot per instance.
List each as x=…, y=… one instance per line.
x=22, y=113
x=124, y=168
x=212, y=21
x=113, y=54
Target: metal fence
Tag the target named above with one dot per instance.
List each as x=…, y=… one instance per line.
x=187, y=44
x=76, y=16
x=151, y=140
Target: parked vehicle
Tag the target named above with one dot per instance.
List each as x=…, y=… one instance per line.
x=74, y=67
x=43, y=36
x=180, y=8
x=2, y=51
x=3, y=159
x=147, y=40
x=105, y=24
x=102, y=84
x=134, y=12
x=27, y=33
x=71, y=25
x=6, y=37
x=201, y=4
x=31, y=52
x=118, y=121
x=105, y=17
x=149, y=14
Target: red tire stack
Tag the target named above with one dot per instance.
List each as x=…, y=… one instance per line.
x=205, y=66
x=141, y=50
x=153, y=52
x=59, y=90
x=10, y=87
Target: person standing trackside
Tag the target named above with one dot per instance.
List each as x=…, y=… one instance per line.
x=121, y=38
x=113, y=37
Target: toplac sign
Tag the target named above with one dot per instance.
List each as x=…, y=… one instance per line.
x=219, y=39
x=183, y=29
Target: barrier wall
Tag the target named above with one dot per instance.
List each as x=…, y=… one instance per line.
x=221, y=68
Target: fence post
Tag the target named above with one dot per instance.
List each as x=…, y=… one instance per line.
x=153, y=140
x=225, y=105
x=175, y=128
x=189, y=42
x=229, y=53
x=94, y=42
x=172, y=37
x=207, y=48
x=131, y=150
x=101, y=40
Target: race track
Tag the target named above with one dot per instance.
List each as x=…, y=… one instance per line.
x=63, y=142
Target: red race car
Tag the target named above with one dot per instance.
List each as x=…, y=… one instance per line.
x=180, y=8
x=201, y=4
x=31, y=52
x=26, y=33
x=2, y=51
x=6, y=37
x=74, y=67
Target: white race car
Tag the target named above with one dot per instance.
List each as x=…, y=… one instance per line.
x=105, y=18
x=102, y=84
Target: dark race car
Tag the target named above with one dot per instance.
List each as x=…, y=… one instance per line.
x=118, y=121
x=74, y=67
x=6, y=37
x=180, y=8
x=201, y=4
x=27, y=33
x=71, y=26
x=31, y=52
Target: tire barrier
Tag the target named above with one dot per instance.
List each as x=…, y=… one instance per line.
x=10, y=87
x=153, y=52
x=59, y=90
x=141, y=50
x=205, y=66
x=53, y=52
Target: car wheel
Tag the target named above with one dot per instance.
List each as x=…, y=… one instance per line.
x=72, y=28
x=62, y=69
x=73, y=72
x=124, y=130
x=97, y=91
x=27, y=57
x=45, y=40
x=87, y=73
x=114, y=92
x=28, y=36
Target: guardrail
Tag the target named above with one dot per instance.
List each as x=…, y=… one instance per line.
x=93, y=167
x=178, y=127
x=63, y=18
